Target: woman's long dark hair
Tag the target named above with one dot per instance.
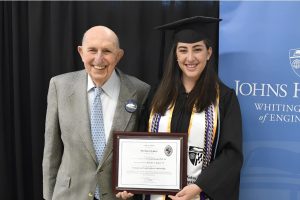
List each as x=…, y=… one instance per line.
x=202, y=95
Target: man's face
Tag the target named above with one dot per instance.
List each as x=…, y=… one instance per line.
x=100, y=54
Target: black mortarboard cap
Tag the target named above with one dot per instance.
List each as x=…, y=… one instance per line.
x=192, y=29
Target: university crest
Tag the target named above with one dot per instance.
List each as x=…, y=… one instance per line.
x=195, y=155
x=294, y=55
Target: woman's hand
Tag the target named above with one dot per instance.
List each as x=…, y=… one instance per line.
x=187, y=193
x=124, y=195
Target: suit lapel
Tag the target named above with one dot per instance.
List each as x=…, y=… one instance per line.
x=78, y=98
x=127, y=92
x=121, y=117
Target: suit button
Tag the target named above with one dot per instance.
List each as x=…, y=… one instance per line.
x=90, y=194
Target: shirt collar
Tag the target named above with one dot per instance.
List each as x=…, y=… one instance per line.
x=108, y=86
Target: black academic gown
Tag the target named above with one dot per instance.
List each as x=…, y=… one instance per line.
x=221, y=179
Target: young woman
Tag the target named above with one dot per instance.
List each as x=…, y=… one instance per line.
x=191, y=99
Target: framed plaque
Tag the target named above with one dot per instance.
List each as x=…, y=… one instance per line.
x=149, y=163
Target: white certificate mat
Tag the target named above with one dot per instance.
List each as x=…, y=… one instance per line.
x=153, y=163
x=149, y=163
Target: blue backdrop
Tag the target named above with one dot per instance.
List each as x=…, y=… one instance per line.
x=260, y=59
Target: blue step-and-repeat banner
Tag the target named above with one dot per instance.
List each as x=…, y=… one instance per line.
x=260, y=59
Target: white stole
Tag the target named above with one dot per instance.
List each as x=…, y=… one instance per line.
x=196, y=135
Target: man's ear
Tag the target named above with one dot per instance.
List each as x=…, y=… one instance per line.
x=120, y=54
x=80, y=51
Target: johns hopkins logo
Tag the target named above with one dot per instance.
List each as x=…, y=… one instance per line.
x=295, y=60
x=168, y=150
x=195, y=155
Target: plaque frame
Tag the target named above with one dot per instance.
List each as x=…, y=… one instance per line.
x=179, y=137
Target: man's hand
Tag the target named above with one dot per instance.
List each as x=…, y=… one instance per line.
x=187, y=193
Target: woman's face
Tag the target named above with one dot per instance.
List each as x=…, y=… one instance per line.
x=192, y=59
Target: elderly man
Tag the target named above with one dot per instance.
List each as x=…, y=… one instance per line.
x=84, y=107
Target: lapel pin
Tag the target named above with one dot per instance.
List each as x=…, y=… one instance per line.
x=131, y=105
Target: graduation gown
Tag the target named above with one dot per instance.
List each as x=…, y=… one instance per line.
x=221, y=179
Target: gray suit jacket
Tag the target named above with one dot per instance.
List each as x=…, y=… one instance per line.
x=70, y=170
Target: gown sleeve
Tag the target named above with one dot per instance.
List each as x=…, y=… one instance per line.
x=221, y=179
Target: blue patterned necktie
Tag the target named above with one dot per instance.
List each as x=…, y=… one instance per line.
x=97, y=127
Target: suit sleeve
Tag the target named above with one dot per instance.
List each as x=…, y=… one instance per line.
x=220, y=180
x=53, y=144
x=143, y=123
